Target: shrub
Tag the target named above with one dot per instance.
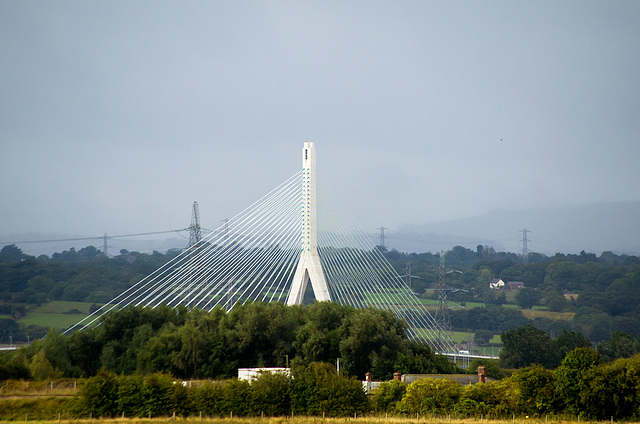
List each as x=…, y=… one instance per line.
x=430, y=396
x=388, y=395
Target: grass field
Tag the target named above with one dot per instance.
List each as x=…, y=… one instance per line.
x=540, y=313
x=367, y=419
x=52, y=314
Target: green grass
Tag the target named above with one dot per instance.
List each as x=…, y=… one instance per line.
x=57, y=321
x=60, y=307
x=52, y=314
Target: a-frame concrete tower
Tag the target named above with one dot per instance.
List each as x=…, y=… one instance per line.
x=309, y=266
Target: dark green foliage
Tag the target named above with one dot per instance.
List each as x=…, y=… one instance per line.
x=567, y=341
x=526, y=345
x=198, y=344
x=483, y=336
x=583, y=385
x=318, y=389
x=621, y=345
x=162, y=396
x=613, y=390
x=537, y=389
x=431, y=396
x=130, y=395
x=491, y=317
x=271, y=394
x=492, y=367
x=107, y=395
x=208, y=399
x=572, y=380
x=13, y=366
x=608, y=299
x=528, y=297
x=369, y=341
x=388, y=395
x=98, y=396
x=420, y=359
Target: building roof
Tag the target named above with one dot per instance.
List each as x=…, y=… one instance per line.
x=515, y=285
x=464, y=379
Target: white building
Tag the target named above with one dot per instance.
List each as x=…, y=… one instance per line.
x=496, y=284
x=250, y=374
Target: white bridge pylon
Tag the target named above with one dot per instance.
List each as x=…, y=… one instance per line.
x=268, y=253
x=309, y=266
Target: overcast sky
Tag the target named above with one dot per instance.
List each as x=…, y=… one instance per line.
x=116, y=115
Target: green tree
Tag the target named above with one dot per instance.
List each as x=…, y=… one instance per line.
x=526, y=345
x=430, y=396
x=571, y=378
x=567, y=341
x=130, y=396
x=370, y=340
x=41, y=369
x=613, y=390
x=318, y=389
x=621, y=345
x=527, y=297
x=485, y=276
x=98, y=396
x=271, y=394
x=537, y=389
x=162, y=396
x=388, y=396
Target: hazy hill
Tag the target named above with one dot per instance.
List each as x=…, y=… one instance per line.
x=594, y=228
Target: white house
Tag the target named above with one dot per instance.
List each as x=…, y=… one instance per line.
x=496, y=284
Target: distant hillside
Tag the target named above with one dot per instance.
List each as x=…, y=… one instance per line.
x=593, y=228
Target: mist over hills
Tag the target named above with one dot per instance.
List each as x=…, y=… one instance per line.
x=594, y=228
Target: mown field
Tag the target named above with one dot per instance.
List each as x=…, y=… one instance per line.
x=57, y=314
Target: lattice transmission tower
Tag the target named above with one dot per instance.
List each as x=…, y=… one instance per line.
x=442, y=317
x=195, y=236
x=382, y=230
x=195, y=232
x=525, y=246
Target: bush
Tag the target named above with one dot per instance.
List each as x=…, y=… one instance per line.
x=389, y=394
x=271, y=394
x=430, y=396
x=318, y=389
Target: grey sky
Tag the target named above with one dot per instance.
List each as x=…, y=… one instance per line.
x=115, y=115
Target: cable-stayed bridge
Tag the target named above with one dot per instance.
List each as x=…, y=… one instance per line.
x=297, y=240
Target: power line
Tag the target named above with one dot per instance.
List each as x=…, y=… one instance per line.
x=93, y=238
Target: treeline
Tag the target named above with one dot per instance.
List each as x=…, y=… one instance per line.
x=315, y=389
x=583, y=385
x=600, y=291
x=196, y=344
